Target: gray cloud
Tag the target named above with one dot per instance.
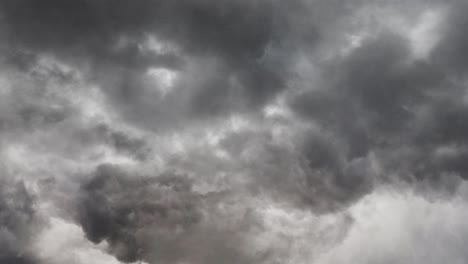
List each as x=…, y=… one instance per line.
x=234, y=131
x=19, y=221
x=384, y=102
x=121, y=210
x=236, y=34
x=154, y=219
x=449, y=53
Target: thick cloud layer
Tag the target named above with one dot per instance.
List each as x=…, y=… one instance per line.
x=246, y=131
x=118, y=208
x=18, y=220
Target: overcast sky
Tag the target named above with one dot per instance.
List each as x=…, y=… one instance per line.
x=233, y=131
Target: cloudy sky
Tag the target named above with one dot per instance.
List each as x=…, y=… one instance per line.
x=233, y=131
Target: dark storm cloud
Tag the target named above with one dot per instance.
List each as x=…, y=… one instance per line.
x=153, y=219
x=18, y=222
x=368, y=107
x=444, y=123
x=20, y=59
x=315, y=176
x=371, y=103
x=235, y=33
x=229, y=56
x=122, y=210
x=330, y=181
x=450, y=53
x=28, y=103
x=371, y=115
x=122, y=142
x=378, y=82
x=32, y=116
x=410, y=113
x=379, y=78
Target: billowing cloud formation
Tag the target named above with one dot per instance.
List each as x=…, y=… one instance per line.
x=121, y=41
x=247, y=131
x=18, y=219
x=119, y=209
x=159, y=218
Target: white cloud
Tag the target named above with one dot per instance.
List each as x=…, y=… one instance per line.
x=64, y=242
x=401, y=227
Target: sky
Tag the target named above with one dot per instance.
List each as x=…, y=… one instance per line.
x=233, y=131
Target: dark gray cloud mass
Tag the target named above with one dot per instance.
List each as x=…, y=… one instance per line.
x=234, y=33
x=233, y=131
x=18, y=223
x=155, y=218
x=118, y=208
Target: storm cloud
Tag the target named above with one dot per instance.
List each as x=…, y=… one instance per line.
x=19, y=223
x=233, y=131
